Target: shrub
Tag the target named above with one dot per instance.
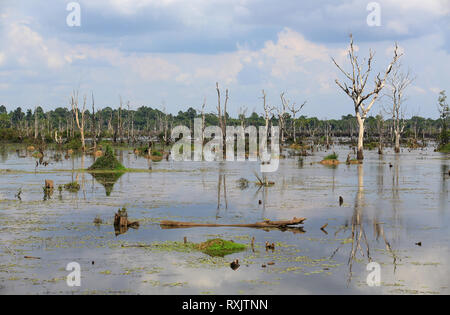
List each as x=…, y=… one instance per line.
x=333, y=156
x=107, y=162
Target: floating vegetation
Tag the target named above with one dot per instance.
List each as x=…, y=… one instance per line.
x=243, y=183
x=214, y=247
x=98, y=220
x=72, y=187
x=219, y=247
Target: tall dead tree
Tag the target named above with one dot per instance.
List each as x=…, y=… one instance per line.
x=222, y=116
x=356, y=91
x=267, y=110
x=380, y=126
x=76, y=113
x=281, y=113
x=241, y=116
x=398, y=82
x=36, y=124
x=203, y=120
x=294, y=110
x=93, y=126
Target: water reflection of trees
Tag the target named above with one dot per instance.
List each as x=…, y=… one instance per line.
x=359, y=242
x=443, y=196
x=107, y=180
x=221, y=182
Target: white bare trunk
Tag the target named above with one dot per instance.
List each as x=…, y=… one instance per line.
x=360, y=121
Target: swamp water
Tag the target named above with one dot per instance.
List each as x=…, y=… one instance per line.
x=385, y=213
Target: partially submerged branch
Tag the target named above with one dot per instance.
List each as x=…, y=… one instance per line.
x=263, y=224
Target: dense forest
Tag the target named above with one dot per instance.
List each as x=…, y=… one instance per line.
x=129, y=125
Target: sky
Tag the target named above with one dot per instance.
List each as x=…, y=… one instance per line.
x=171, y=53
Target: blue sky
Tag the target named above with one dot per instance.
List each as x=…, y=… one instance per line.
x=154, y=52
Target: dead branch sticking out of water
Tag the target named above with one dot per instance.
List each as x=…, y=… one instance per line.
x=263, y=181
x=264, y=224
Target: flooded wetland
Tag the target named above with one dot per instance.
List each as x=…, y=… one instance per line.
x=392, y=209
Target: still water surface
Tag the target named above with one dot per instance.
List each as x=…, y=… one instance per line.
x=385, y=213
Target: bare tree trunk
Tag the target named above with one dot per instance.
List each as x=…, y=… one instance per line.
x=397, y=141
x=93, y=131
x=36, y=125
x=360, y=147
x=80, y=125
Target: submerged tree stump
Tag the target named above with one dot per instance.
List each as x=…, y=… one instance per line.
x=121, y=219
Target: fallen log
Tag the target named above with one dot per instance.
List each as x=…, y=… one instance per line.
x=263, y=224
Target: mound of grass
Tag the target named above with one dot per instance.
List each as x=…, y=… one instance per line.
x=108, y=162
x=220, y=247
x=444, y=148
x=214, y=247
x=333, y=156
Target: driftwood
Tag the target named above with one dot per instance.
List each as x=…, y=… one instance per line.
x=263, y=224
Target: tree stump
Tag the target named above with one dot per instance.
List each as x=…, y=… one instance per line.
x=49, y=184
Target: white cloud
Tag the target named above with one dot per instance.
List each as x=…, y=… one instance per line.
x=291, y=52
x=28, y=47
x=2, y=58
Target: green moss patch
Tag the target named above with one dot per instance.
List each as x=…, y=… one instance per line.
x=214, y=247
x=220, y=247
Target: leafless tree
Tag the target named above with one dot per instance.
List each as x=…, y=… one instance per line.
x=294, y=110
x=242, y=113
x=380, y=129
x=202, y=111
x=358, y=80
x=398, y=82
x=76, y=113
x=36, y=124
x=281, y=113
x=267, y=110
x=93, y=126
x=222, y=115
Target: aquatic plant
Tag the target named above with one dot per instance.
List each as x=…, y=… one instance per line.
x=332, y=156
x=243, y=183
x=220, y=247
x=72, y=187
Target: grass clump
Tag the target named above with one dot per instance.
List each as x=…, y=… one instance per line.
x=220, y=247
x=332, y=156
x=214, y=247
x=107, y=162
x=72, y=187
x=444, y=148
